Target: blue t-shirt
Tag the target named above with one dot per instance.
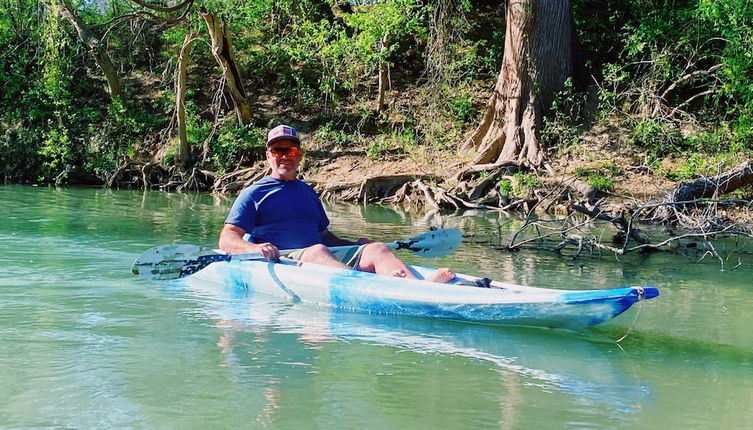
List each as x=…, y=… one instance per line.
x=287, y=214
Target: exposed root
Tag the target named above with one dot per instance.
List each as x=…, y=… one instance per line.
x=233, y=182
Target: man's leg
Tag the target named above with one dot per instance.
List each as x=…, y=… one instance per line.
x=377, y=257
x=319, y=254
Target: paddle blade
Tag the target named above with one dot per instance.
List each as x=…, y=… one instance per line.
x=174, y=261
x=435, y=243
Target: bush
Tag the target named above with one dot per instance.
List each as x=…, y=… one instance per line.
x=657, y=137
x=464, y=109
x=519, y=186
x=602, y=178
x=562, y=125
x=236, y=143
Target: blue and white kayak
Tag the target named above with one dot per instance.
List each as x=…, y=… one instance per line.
x=501, y=303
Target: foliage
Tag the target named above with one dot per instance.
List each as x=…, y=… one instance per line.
x=519, y=185
x=398, y=141
x=234, y=143
x=681, y=62
x=601, y=177
x=677, y=76
x=464, y=109
x=330, y=135
x=562, y=125
x=696, y=164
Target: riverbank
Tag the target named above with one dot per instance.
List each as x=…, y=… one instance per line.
x=602, y=168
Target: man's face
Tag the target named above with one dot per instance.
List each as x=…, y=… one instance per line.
x=284, y=156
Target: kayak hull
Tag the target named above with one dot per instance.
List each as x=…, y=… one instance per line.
x=507, y=304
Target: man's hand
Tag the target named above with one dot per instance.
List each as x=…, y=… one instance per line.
x=231, y=241
x=269, y=251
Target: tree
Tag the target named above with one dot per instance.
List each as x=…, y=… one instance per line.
x=222, y=49
x=184, y=149
x=96, y=40
x=537, y=60
x=95, y=44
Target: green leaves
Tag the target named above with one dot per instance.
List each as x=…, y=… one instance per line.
x=601, y=177
x=519, y=185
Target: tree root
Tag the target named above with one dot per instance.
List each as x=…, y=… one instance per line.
x=233, y=182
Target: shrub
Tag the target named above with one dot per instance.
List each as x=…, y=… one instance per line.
x=235, y=143
x=601, y=178
x=519, y=186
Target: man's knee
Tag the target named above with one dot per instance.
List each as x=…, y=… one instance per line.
x=316, y=252
x=376, y=250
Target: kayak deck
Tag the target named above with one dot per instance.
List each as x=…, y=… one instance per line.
x=360, y=291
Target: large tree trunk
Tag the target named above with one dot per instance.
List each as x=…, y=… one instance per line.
x=95, y=45
x=222, y=49
x=537, y=61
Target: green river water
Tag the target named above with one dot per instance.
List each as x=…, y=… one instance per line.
x=85, y=344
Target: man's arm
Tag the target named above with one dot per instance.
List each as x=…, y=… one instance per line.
x=331, y=239
x=231, y=241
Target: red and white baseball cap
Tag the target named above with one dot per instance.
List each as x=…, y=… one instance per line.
x=282, y=132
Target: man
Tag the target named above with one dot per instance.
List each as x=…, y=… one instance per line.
x=282, y=212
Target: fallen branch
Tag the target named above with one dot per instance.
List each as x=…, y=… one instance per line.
x=625, y=226
x=690, y=191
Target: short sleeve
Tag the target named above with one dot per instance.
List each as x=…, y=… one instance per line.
x=243, y=211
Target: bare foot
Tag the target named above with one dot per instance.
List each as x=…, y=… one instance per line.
x=399, y=273
x=443, y=275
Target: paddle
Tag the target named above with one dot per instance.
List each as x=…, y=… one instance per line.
x=177, y=261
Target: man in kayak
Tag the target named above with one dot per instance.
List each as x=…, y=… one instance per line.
x=281, y=212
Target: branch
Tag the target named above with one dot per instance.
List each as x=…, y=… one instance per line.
x=620, y=222
x=163, y=9
x=688, y=101
x=724, y=183
x=688, y=77
x=114, y=22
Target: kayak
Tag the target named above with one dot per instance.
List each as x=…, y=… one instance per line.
x=466, y=298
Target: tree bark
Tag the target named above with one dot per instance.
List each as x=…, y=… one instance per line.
x=222, y=49
x=383, y=74
x=537, y=60
x=724, y=183
x=95, y=45
x=184, y=149
x=689, y=193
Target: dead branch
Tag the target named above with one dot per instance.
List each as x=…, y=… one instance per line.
x=163, y=9
x=231, y=183
x=491, y=167
x=689, y=191
x=582, y=187
x=625, y=226
x=688, y=77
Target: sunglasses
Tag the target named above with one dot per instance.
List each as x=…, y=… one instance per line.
x=281, y=152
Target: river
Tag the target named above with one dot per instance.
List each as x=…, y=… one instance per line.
x=86, y=344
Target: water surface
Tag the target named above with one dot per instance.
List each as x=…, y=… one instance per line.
x=85, y=344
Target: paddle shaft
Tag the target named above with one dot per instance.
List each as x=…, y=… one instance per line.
x=333, y=249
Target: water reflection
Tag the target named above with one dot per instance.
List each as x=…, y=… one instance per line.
x=265, y=339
